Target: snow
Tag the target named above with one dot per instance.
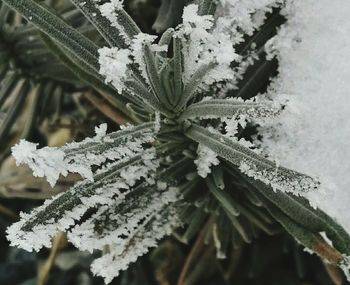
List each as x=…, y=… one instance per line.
x=313, y=133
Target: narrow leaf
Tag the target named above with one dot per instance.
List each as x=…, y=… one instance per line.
x=225, y=199
x=220, y=108
x=300, y=210
x=310, y=240
x=92, y=79
x=153, y=75
x=192, y=86
x=22, y=90
x=207, y=7
x=252, y=163
x=52, y=25
x=165, y=41
x=178, y=68
x=92, y=12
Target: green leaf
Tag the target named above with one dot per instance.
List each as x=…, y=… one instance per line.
x=22, y=90
x=7, y=85
x=262, y=35
x=145, y=95
x=117, y=137
x=219, y=108
x=239, y=227
x=237, y=154
x=312, y=241
x=52, y=25
x=178, y=170
x=207, y=7
x=92, y=79
x=31, y=120
x=69, y=200
x=192, y=86
x=165, y=41
x=218, y=177
x=167, y=81
x=153, y=76
x=299, y=210
x=256, y=78
x=225, y=199
x=110, y=33
x=129, y=26
x=255, y=219
x=197, y=221
x=178, y=68
x=314, y=220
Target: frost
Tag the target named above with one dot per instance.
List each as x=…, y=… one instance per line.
x=146, y=236
x=132, y=232
x=137, y=47
x=133, y=208
x=26, y=153
x=50, y=162
x=206, y=159
x=244, y=16
x=345, y=266
x=109, y=10
x=203, y=46
x=157, y=122
x=237, y=19
x=110, y=187
x=298, y=185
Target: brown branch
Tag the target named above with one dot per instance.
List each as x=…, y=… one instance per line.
x=45, y=268
x=8, y=212
x=329, y=253
x=334, y=273
x=196, y=249
x=105, y=108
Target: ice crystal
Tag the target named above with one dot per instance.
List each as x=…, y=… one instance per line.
x=109, y=187
x=203, y=47
x=297, y=185
x=50, y=162
x=137, y=47
x=205, y=160
x=114, y=66
x=109, y=10
x=37, y=160
x=127, y=235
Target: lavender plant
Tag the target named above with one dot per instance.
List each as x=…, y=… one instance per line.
x=183, y=163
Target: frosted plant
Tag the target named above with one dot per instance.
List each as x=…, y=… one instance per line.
x=184, y=160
